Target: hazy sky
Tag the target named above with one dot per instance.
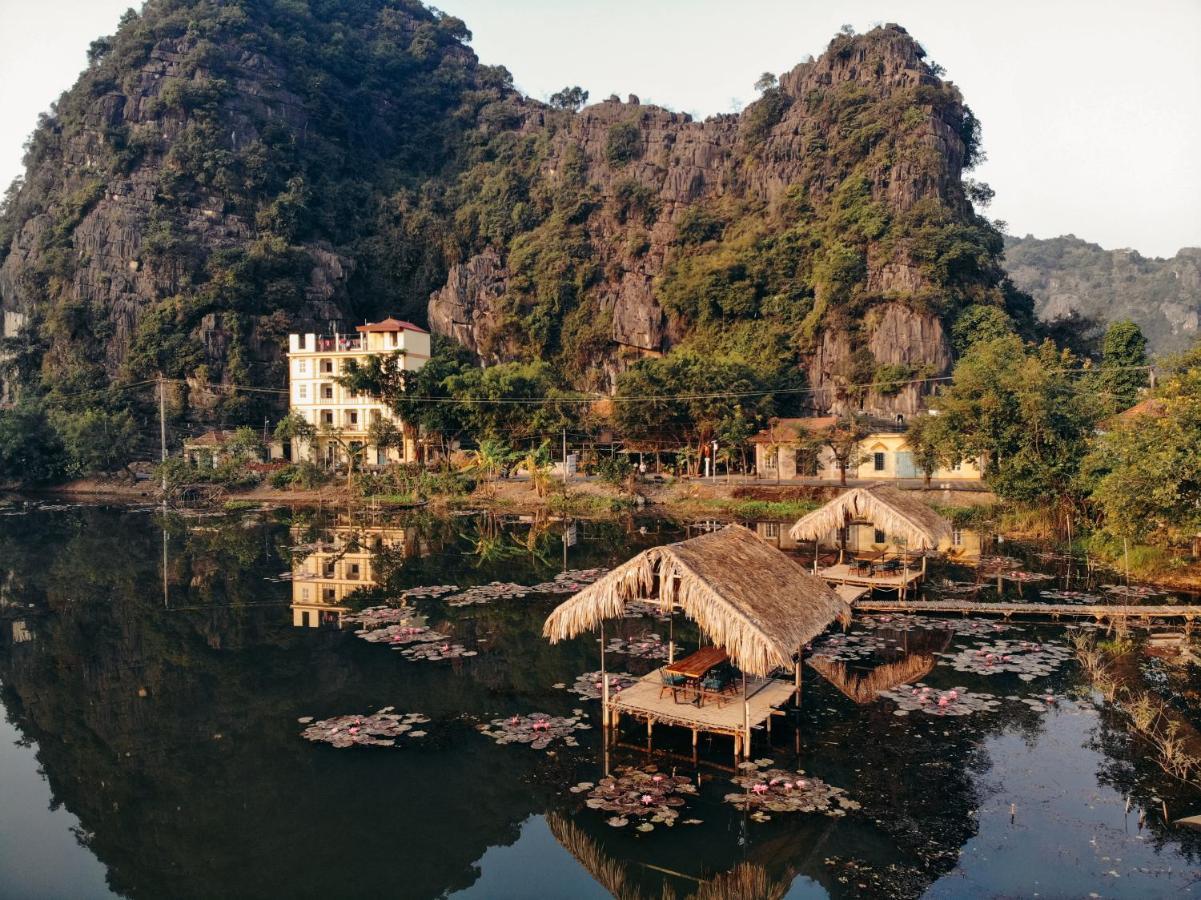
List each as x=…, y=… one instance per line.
x=1091, y=108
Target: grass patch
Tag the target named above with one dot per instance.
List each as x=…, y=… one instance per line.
x=236, y=505
x=761, y=509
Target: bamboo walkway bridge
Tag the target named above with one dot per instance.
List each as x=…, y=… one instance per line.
x=1097, y=611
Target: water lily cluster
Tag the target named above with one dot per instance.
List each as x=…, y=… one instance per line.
x=568, y=582
x=380, y=729
x=766, y=790
x=906, y=622
x=377, y=616
x=639, y=794
x=427, y=592
x=644, y=646
x=589, y=684
x=1028, y=659
x=436, y=651
x=957, y=701
x=538, y=730
x=486, y=593
x=637, y=609
x=399, y=635
x=850, y=646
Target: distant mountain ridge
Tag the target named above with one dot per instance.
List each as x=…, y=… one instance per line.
x=1066, y=274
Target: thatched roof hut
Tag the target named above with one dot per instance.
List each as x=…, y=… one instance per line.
x=897, y=512
x=753, y=601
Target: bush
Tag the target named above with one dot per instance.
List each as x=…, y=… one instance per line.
x=304, y=475
x=614, y=469
x=624, y=144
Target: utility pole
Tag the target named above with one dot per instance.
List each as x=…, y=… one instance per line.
x=162, y=426
x=565, y=456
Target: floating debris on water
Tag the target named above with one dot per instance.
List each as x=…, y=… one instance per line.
x=537, y=729
x=436, y=651
x=958, y=701
x=378, y=730
x=634, y=793
x=645, y=646
x=1028, y=659
x=589, y=684
x=778, y=790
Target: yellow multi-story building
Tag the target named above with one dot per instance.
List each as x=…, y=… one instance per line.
x=343, y=419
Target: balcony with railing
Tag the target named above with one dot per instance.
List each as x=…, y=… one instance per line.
x=341, y=343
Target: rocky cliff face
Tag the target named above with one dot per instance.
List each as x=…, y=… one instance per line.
x=227, y=171
x=1066, y=275
x=869, y=111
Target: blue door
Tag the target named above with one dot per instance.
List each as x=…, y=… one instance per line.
x=905, y=465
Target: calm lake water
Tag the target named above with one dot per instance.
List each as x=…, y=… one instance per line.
x=153, y=671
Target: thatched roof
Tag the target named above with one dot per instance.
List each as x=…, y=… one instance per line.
x=898, y=512
x=753, y=601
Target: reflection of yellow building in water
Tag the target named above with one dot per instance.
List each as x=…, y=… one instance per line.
x=335, y=567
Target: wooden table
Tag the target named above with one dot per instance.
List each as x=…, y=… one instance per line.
x=695, y=665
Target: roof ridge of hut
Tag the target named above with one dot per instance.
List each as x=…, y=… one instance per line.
x=897, y=511
x=758, y=604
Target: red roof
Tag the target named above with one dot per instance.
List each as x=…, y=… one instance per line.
x=389, y=324
x=790, y=429
x=1152, y=406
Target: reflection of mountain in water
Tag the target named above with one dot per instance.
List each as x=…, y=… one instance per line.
x=171, y=733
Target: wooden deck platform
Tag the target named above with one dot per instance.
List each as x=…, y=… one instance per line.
x=1098, y=612
x=851, y=592
x=841, y=574
x=641, y=701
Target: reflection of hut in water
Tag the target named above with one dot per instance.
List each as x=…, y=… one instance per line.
x=757, y=606
x=906, y=528
x=863, y=687
x=745, y=881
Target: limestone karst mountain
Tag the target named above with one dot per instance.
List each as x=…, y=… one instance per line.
x=225, y=172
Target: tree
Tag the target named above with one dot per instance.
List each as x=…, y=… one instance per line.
x=95, y=440
x=1123, y=356
x=979, y=323
x=765, y=82
x=352, y=450
x=1145, y=474
x=1024, y=410
x=491, y=458
x=702, y=396
x=537, y=464
x=929, y=443
x=572, y=98
x=295, y=427
x=383, y=434
x=30, y=449
x=843, y=439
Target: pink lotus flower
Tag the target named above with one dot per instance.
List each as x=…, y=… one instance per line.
x=953, y=694
x=647, y=799
x=656, y=779
x=801, y=784
x=759, y=788
x=943, y=701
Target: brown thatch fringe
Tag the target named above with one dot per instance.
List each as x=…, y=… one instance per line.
x=753, y=601
x=895, y=511
x=863, y=687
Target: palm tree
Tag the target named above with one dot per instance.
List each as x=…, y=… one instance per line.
x=491, y=458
